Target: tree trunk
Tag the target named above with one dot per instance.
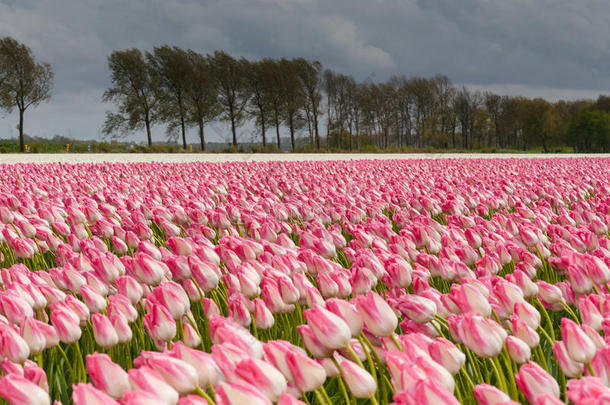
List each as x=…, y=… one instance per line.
x=262, y=114
x=315, y=125
x=291, y=124
x=182, y=127
x=201, y=135
x=148, y=134
x=21, y=140
x=232, y=115
x=277, y=128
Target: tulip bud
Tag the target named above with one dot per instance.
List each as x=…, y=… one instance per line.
x=159, y=323
x=330, y=329
x=425, y=392
x=306, y=373
x=445, y=353
x=486, y=394
x=106, y=375
x=104, y=333
x=239, y=393
x=517, y=349
x=416, y=308
x=86, y=394
x=179, y=374
x=579, y=346
x=18, y=390
x=348, y=312
x=147, y=379
x=377, y=315
x=534, y=381
x=266, y=378
x=358, y=380
x=569, y=367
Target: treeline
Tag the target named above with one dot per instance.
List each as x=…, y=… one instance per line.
x=182, y=88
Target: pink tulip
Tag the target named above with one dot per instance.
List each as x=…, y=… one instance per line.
x=486, y=394
x=534, y=381
x=359, y=381
x=348, y=312
x=104, y=333
x=569, y=367
x=106, y=375
x=416, y=308
x=306, y=373
x=129, y=287
x=328, y=328
x=18, y=390
x=85, y=394
x=517, y=349
x=377, y=315
x=266, y=378
x=178, y=373
x=14, y=347
x=239, y=393
x=447, y=354
x=579, y=346
x=207, y=371
x=141, y=397
x=160, y=324
x=35, y=374
x=147, y=379
x=425, y=392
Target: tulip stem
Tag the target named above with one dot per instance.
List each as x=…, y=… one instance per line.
x=369, y=360
x=500, y=380
x=550, y=339
x=548, y=320
x=355, y=356
x=396, y=342
x=320, y=397
x=570, y=312
x=591, y=372
x=203, y=394
x=82, y=377
x=68, y=364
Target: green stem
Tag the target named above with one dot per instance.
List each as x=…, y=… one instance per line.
x=500, y=380
x=203, y=394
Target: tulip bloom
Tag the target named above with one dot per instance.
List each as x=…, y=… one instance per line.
x=486, y=394
x=106, y=375
x=517, y=349
x=239, y=393
x=147, y=379
x=579, y=346
x=266, y=378
x=160, y=324
x=306, y=373
x=18, y=390
x=330, y=329
x=86, y=394
x=569, y=367
x=534, y=381
x=377, y=315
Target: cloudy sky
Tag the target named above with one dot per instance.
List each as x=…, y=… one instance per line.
x=549, y=48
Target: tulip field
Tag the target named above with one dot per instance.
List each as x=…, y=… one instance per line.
x=454, y=281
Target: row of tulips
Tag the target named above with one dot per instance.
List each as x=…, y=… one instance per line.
x=454, y=281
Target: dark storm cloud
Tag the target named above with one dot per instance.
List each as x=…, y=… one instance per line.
x=552, y=48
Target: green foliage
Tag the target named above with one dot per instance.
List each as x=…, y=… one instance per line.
x=590, y=131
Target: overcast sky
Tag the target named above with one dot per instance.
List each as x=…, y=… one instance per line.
x=549, y=48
